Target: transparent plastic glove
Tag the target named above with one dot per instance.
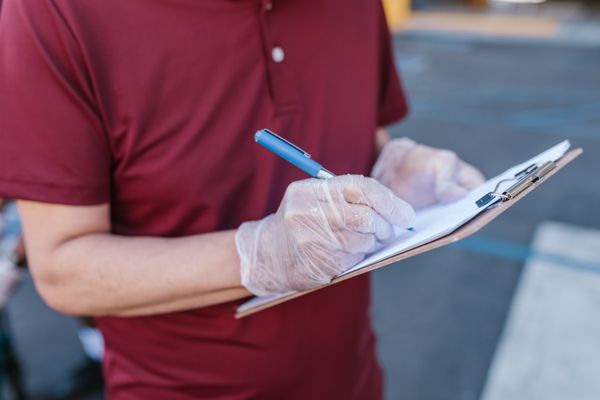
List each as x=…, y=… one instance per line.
x=321, y=228
x=423, y=175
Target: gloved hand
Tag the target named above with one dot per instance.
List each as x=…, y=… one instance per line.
x=321, y=228
x=423, y=175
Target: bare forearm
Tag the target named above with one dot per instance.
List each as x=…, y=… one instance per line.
x=104, y=274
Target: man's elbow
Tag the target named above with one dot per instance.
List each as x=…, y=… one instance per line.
x=58, y=301
x=59, y=241
x=60, y=292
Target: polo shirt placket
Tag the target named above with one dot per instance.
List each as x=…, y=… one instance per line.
x=279, y=63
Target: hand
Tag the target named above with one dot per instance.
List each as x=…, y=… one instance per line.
x=321, y=228
x=423, y=175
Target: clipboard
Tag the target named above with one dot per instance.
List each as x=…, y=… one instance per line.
x=524, y=183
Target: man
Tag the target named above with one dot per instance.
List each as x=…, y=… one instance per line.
x=129, y=133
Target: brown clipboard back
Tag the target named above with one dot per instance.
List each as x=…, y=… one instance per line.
x=464, y=231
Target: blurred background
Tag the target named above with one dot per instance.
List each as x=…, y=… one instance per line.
x=510, y=313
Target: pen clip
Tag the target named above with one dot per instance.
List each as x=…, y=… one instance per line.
x=287, y=142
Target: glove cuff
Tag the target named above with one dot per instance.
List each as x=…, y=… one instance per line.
x=247, y=243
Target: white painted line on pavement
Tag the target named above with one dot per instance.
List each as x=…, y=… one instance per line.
x=550, y=348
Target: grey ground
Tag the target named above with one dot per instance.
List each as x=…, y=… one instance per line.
x=439, y=315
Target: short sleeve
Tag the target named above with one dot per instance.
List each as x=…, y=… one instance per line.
x=53, y=147
x=392, y=100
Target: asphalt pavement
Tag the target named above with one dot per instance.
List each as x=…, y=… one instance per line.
x=496, y=103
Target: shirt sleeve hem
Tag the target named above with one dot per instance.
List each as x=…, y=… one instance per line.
x=391, y=115
x=53, y=193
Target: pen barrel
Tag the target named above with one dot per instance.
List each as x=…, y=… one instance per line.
x=288, y=153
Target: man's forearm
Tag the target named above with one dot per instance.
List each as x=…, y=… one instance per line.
x=104, y=274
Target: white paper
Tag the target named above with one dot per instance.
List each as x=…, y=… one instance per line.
x=435, y=222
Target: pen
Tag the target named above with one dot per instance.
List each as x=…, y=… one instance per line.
x=293, y=154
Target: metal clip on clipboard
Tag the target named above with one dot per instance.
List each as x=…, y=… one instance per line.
x=523, y=179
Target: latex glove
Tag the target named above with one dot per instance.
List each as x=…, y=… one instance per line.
x=424, y=175
x=321, y=228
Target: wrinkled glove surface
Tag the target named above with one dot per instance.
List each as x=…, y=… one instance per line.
x=321, y=228
x=423, y=175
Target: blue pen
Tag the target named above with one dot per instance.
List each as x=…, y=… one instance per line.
x=293, y=154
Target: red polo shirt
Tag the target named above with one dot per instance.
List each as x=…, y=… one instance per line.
x=152, y=106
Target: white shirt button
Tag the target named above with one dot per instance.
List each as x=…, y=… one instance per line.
x=277, y=54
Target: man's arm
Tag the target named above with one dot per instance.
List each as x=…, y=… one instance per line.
x=79, y=267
